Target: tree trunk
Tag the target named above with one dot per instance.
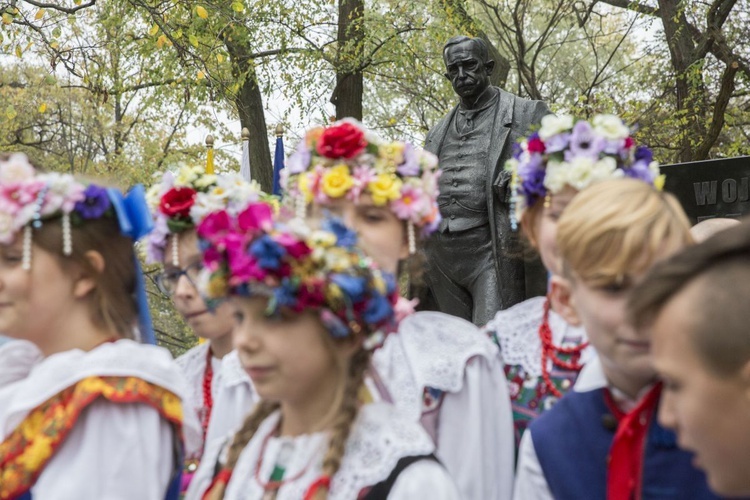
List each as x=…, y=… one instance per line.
x=347, y=96
x=689, y=77
x=249, y=102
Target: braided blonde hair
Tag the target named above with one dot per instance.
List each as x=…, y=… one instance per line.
x=341, y=428
x=347, y=414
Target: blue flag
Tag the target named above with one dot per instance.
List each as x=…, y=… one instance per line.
x=278, y=164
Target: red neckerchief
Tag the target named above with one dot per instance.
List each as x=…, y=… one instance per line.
x=625, y=460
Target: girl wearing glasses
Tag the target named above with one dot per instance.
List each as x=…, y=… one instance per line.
x=221, y=393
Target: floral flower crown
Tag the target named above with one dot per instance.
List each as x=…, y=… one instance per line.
x=29, y=198
x=347, y=160
x=572, y=152
x=180, y=202
x=296, y=267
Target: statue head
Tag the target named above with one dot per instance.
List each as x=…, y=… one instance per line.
x=468, y=67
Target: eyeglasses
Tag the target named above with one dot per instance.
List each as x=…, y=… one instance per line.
x=167, y=280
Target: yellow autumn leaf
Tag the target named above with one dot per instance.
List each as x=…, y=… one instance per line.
x=43, y=107
x=39, y=14
x=238, y=7
x=201, y=75
x=54, y=45
x=154, y=30
x=161, y=41
x=7, y=18
x=202, y=13
x=193, y=40
x=220, y=57
x=19, y=50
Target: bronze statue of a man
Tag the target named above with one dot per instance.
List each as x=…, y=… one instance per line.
x=474, y=259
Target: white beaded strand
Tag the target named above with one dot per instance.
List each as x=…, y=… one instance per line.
x=67, y=236
x=176, y=250
x=300, y=206
x=26, y=258
x=412, y=238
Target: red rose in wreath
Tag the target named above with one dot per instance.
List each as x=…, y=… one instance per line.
x=341, y=141
x=177, y=202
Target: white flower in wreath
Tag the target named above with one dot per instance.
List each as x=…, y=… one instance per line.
x=205, y=203
x=553, y=125
x=610, y=127
x=556, y=176
x=16, y=169
x=584, y=171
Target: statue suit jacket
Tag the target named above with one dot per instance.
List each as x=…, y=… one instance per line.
x=514, y=117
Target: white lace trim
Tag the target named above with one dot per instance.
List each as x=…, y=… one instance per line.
x=517, y=332
x=431, y=349
x=380, y=437
x=232, y=372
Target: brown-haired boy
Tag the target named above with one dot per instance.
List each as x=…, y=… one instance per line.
x=695, y=306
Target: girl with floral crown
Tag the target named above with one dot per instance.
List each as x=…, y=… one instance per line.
x=438, y=369
x=541, y=352
x=85, y=411
x=310, y=306
x=221, y=392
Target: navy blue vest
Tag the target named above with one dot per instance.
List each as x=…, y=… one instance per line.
x=572, y=444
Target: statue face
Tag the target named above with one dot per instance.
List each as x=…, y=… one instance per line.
x=468, y=72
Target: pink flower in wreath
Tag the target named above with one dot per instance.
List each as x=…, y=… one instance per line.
x=410, y=205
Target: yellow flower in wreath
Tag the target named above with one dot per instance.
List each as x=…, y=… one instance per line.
x=337, y=181
x=385, y=188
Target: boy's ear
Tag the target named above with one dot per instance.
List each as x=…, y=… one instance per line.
x=561, y=300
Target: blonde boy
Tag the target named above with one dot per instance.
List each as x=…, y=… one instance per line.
x=602, y=440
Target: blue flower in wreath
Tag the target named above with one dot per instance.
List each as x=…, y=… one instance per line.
x=353, y=286
x=267, y=252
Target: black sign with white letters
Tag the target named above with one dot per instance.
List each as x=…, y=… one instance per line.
x=711, y=188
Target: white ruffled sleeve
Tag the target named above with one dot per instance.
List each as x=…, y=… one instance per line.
x=424, y=479
x=17, y=358
x=475, y=432
x=114, y=452
x=530, y=481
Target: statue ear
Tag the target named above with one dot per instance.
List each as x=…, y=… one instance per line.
x=489, y=66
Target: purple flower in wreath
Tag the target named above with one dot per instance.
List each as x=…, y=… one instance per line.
x=410, y=166
x=532, y=175
x=584, y=142
x=644, y=154
x=299, y=160
x=557, y=142
x=95, y=203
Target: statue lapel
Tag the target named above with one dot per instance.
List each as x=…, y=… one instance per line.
x=501, y=131
x=436, y=136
